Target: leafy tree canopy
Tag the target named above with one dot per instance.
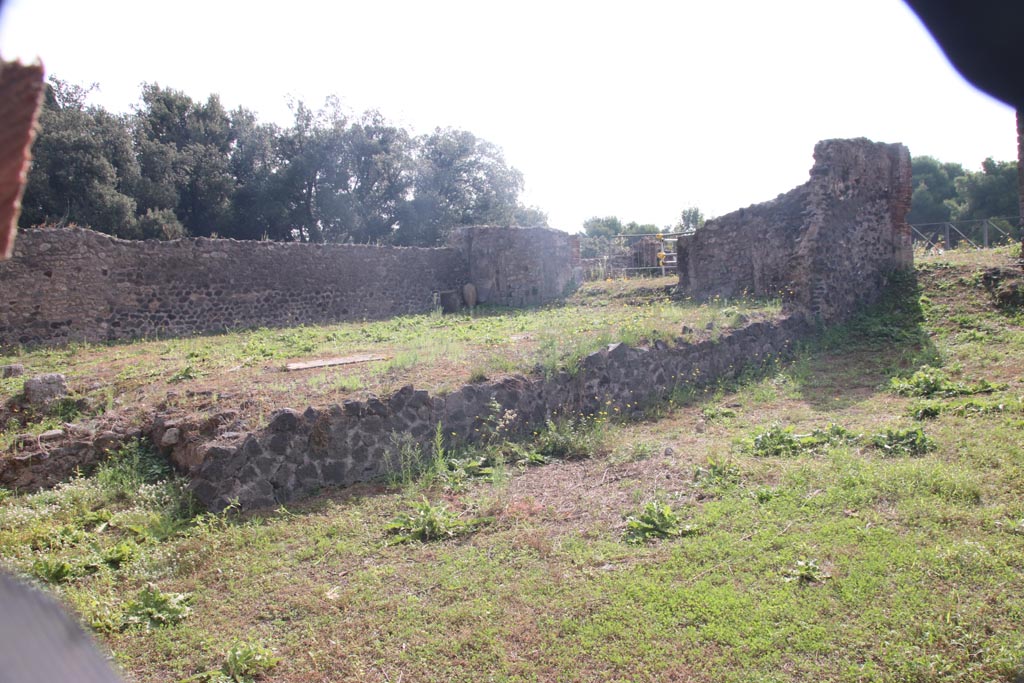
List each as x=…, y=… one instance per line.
x=178, y=166
x=690, y=219
x=933, y=186
x=991, y=193
x=608, y=226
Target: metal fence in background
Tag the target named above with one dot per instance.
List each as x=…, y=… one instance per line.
x=654, y=255
x=651, y=255
x=979, y=234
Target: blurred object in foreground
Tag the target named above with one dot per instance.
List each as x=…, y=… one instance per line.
x=40, y=643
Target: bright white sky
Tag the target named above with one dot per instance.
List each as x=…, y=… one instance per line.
x=636, y=109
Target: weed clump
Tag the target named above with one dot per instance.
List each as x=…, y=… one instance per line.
x=428, y=522
x=566, y=439
x=805, y=572
x=901, y=442
x=120, y=554
x=152, y=608
x=778, y=441
x=656, y=520
x=928, y=382
x=929, y=409
x=245, y=662
x=53, y=570
x=716, y=473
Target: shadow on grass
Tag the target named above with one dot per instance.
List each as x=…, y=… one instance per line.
x=848, y=363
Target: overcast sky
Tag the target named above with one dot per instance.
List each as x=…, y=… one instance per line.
x=636, y=109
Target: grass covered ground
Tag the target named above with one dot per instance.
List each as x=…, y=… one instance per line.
x=244, y=370
x=856, y=515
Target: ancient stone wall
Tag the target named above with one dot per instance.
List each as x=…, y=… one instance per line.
x=827, y=246
x=302, y=452
x=520, y=267
x=79, y=285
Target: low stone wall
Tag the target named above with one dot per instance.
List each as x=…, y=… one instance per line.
x=301, y=452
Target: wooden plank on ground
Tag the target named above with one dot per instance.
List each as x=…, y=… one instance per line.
x=328, y=362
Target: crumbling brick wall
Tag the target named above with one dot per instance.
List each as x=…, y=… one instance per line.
x=826, y=247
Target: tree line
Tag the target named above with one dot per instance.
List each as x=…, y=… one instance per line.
x=178, y=167
x=946, y=192
x=690, y=219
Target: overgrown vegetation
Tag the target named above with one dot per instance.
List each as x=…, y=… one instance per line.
x=740, y=536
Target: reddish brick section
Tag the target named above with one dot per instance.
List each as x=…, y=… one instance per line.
x=902, y=187
x=21, y=92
